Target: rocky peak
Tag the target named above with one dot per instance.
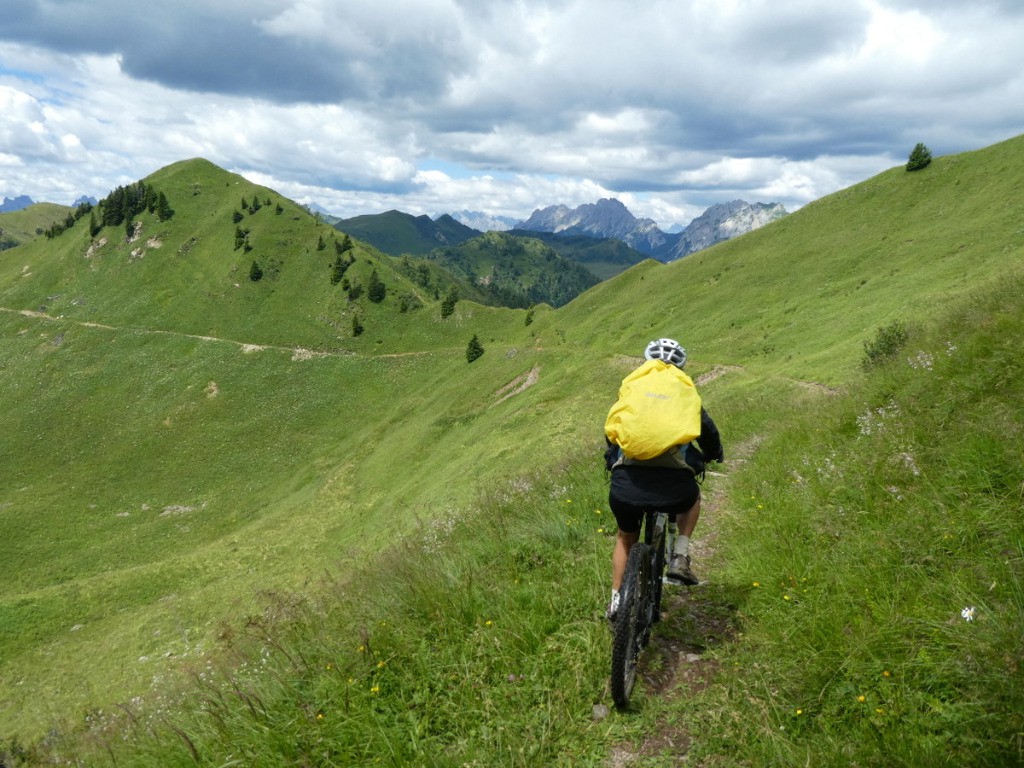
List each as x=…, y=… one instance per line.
x=609, y=218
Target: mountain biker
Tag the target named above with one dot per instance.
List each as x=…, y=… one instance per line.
x=667, y=482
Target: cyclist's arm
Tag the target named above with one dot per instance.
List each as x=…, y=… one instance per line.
x=710, y=440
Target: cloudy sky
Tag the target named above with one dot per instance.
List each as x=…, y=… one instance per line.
x=502, y=106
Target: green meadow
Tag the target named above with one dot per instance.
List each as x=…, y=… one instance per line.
x=234, y=533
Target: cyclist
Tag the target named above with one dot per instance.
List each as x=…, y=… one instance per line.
x=667, y=482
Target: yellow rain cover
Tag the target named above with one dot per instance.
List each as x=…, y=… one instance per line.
x=658, y=408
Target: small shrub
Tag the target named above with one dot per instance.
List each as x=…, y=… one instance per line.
x=887, y=343
x=255, y=273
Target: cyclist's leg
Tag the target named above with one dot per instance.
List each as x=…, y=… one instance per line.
x=687, y=521
x=624, y=541
x=628, y=519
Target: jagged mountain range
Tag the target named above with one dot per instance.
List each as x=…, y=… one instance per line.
x=11, y=204
x=609, y=218
x=21, y=202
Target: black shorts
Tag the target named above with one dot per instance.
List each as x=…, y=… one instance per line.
x=638, y=490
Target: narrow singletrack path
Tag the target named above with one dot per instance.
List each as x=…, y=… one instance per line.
x=694, y=619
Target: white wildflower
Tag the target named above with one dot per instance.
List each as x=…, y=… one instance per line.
x=968, y=613
x=923, y=360
x=908, y=461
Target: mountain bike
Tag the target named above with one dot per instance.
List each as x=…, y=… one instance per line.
x=639, y=604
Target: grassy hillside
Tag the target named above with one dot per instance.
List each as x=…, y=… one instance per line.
x=605, y=257
x=864, y=605
x=17, y=227
x=182, y=444
x=515, y=271
x=191, y=273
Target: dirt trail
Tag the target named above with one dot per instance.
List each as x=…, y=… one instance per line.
x=298, y=353
x=694, y=619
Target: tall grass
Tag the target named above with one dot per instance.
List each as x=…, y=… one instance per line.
x=476, y=642
x=880, y=540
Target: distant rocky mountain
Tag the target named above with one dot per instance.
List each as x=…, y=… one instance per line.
x=610, y=218
x=83, y=200
x=325, y=216
x=724, y=222
x=606, y=218
x=15, y=204
x=483, y=222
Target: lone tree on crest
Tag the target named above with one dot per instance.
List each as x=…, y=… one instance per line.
x=919, y=158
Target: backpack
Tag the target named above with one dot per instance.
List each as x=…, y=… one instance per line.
x=658, y=408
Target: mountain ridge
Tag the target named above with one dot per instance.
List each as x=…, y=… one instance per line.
x=608, y=217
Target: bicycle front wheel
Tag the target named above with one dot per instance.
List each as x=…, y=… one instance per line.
x=632, y=623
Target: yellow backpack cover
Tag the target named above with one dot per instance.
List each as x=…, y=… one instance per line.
x=658, y=408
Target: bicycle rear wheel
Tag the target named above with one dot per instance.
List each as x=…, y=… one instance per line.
x=632, y=623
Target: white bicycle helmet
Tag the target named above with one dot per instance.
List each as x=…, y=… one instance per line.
x=667, y=350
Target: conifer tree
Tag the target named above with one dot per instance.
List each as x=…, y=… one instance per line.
x=920, y=157
x=474, y=349
x=255, y=273
x=376, y=290
x=357, y=327
x=338, y=270
x=448, y=305
x=163, y=207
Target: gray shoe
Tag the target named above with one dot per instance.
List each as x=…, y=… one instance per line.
x=679, y=570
